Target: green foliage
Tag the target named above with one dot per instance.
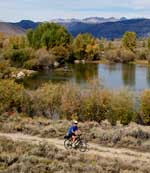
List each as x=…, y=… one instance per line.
x=61, y=53
x=145, y=106
x=31, y=64
x=11, y=95
x=87, y=47
x=129, y=40
x=17, y=57
x=48, y=35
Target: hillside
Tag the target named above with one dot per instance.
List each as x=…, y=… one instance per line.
x=27, y=24
x=111, y=30
x=10, y=29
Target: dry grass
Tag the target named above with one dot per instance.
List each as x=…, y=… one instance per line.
x=21, y=157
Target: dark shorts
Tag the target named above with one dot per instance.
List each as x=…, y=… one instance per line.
x=70, y=135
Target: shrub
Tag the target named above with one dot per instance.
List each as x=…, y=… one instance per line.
x=96, y=105
x=31, y=64
x=143, y=55
x=17, y=56
x=71, y=101
x=11, y=95
x=145, y=106
x=120, y=55
x=4, y=64
x=17, y=42
x=127, y=56
x=112, y=55
x=44, y=57
x=46, y=100
x=122, y=106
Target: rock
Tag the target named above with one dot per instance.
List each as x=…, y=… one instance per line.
x=83, y=61
x=56, y=64
x=77, y=61
x=13, y=75
x=106, y=124
x=20, y=75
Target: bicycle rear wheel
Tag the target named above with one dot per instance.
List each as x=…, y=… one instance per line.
x=67, y=144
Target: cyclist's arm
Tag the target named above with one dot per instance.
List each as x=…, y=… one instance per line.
x=77, y=132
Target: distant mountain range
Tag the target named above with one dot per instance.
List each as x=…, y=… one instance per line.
x=90, y=20
x=109, y=28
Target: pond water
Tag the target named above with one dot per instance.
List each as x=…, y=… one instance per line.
x=114, y=76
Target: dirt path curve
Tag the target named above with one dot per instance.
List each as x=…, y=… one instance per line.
x=124, y=155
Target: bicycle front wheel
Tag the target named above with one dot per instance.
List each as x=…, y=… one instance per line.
x=83, y=147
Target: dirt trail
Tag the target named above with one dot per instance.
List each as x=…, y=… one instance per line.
x=124, y=155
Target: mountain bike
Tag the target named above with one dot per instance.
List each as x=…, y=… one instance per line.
x=80, y=143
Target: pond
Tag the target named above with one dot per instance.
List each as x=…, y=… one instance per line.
x=114, y=76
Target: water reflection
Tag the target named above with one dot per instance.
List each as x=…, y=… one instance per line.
x=128, y=75
x=85, y=72
x=112, y=76
x=148, y=76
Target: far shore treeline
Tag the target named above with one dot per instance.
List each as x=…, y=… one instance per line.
x=50, y=46
x=50, y=43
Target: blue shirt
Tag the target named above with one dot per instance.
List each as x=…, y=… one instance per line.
x=72, y=129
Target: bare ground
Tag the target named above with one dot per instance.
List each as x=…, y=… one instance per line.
x=121, y=154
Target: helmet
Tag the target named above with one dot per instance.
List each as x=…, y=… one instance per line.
x=75, y=122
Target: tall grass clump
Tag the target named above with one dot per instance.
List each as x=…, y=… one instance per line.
x=46, y=100
x=145, y=106
x=96, y=104
x=120, y=55
x=11, y=95
x=71, y=101
x=122, y=107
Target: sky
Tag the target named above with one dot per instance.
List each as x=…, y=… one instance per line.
x=45, y=10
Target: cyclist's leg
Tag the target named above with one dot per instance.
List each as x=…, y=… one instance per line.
x=73, y=137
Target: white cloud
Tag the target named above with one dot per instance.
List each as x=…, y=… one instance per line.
x=141, y=4
x=13, y=10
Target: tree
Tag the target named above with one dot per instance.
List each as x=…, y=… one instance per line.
x=129, y=40
x=61, y=53
x=49, y=35
x=85, y=46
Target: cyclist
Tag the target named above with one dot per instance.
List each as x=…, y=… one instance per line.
x=73, y=131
